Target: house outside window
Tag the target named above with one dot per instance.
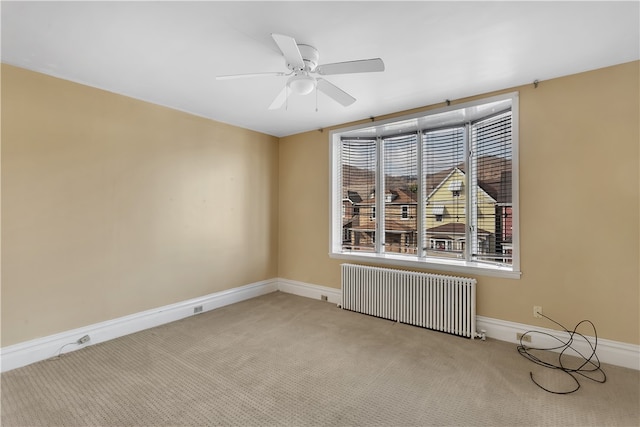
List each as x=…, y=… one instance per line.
x=448, y=186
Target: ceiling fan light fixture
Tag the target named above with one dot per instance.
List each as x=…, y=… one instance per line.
x=302, y=84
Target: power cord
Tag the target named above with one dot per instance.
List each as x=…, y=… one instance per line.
x=80, y=341
x=589, y=368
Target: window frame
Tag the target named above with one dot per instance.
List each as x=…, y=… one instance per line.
x=404, y=124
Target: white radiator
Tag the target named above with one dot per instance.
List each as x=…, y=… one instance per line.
x=433, y=301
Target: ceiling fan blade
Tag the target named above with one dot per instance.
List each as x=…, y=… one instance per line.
x=289, y=49
x=280, y=99
x=361, y=66
x=335, y=92
x=242, y=76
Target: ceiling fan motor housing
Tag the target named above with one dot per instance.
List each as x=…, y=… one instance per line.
x=310, y=57
x=301, y=82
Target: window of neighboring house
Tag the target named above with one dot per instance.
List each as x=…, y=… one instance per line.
x=455, y=186
x=438, y=213
x=405, y=211
x=456, y=168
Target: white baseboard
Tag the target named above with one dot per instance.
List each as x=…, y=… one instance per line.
x=608, y=351
x=310, y=291
x=22, y=354
x=612, y=352
x=35, y=350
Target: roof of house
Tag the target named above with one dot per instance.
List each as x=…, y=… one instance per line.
x=354, y=196
x=494, y=180
x=399, y=196
x=456, y=185
x=390, y=226
x=451, y=229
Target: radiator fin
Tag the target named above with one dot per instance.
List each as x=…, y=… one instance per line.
x=432, y=301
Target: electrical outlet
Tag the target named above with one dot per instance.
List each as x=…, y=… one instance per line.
x=537, y=311
x=323, y=297
x=83, y=340
x=197, y=309
x=522, y=337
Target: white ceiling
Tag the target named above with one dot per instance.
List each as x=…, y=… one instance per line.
x=169, y=53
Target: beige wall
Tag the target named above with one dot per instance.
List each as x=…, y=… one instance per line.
x=111, y=206
x=579, y=202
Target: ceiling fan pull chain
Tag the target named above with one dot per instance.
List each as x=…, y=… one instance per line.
x=316, y=98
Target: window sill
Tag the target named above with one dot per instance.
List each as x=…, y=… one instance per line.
x=443, y=265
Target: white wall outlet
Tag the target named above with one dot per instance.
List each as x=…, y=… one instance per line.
x=537, y=311
x=523, y=337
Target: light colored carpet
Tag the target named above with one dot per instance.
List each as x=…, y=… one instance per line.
x=287, y=360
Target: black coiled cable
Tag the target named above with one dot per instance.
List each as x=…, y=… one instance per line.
x=589, y=368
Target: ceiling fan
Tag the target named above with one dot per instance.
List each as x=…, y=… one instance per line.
x=302, y=63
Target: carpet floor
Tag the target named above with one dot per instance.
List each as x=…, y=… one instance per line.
x=284, y=360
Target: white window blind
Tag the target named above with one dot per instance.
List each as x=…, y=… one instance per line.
x=443, y=157
x=400, y=187
x=491, y=148
x=358, y=183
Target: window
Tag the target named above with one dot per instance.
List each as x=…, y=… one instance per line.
x=440, y=187
x=438, y=213
x=455, y=186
